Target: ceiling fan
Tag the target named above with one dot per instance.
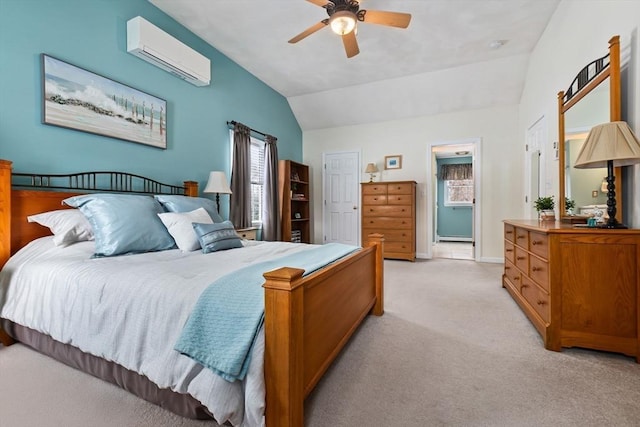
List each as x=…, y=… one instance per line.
x=343, y=17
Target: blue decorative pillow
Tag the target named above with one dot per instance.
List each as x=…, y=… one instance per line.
x=123, y=223
x=217, y=237
x=187, y=204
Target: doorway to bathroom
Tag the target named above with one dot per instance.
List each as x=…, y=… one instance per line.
x=453, y=203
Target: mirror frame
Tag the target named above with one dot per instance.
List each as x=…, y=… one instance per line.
x=587, y=80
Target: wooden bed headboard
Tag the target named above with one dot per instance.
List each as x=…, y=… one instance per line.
x=23, y=194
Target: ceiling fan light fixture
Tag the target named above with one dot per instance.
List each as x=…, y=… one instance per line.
x=342, y=22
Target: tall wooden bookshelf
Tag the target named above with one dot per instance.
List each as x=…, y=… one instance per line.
x=293, y=179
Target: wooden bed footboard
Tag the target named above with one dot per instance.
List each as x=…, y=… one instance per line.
x=308, y=321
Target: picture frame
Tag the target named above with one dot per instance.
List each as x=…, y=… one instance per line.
x=78, y=99
x=393, y=162
x=297, y=215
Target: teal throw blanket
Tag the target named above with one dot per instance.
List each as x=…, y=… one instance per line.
x=224, y=323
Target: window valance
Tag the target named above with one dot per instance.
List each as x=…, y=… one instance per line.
x=456, y=172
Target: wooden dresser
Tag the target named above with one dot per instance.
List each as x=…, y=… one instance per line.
x=580, y=287
x=389, y=208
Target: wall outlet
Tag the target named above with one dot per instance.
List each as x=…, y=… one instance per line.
x=594, y=193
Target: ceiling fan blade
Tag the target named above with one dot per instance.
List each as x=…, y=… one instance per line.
x=392, y=19
x=350, y=44
x=321, y=3
x=320, y=25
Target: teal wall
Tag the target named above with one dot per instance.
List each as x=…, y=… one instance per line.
x=91, y=34
x=453, y=221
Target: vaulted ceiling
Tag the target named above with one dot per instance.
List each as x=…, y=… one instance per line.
x=442, y=62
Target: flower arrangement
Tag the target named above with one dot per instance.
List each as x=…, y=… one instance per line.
x=544, y=203
x=569, y=205
x=544, y=206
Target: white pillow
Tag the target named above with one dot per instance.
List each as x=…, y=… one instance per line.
x=67, y=225
x=180, y=228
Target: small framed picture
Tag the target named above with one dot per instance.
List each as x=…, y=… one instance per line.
x=393, y=162
x=297, y=215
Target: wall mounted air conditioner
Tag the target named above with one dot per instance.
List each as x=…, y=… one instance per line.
x=148, y=42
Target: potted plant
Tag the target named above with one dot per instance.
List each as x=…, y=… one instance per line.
x=544, y=206
x=569, y=205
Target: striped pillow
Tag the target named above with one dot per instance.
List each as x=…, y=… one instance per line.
x=217, y=237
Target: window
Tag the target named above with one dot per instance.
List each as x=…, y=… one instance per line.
x=257, y=179
x=458, y=192
x=458, y=184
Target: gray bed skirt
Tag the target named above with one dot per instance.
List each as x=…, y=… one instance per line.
x=181, y=404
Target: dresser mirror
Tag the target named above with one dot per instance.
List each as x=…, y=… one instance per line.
x=592, y=98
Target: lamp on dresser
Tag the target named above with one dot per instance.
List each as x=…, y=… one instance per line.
x=371, y=169
x=217, y=184
x=609, y=145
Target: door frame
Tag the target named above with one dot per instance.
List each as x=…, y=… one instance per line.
x=357, y=173
x=532, y=144
x=430, y=180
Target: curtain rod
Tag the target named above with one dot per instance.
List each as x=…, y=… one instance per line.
x=233, y=123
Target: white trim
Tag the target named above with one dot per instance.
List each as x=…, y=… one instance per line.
x=534, y=144
x=477, y=176
x=491, y=260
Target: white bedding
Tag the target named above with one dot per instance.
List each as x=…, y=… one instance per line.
x=131, y=310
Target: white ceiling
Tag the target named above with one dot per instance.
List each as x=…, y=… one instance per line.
x=441, y=63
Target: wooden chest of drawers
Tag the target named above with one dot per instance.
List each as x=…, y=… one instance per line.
x=389, y=208
x=579, y=287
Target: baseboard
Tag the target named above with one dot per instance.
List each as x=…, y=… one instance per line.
x=455, y=239
x=421, y=255
x=492, y=260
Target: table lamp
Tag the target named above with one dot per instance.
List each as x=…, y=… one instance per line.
x=371, y=169
x=217, y=184
x=609, y=145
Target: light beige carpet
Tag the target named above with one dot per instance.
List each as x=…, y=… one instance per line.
x=453, y=349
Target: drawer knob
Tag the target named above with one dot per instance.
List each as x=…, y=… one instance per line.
x=541, y=302
x=521, y=236
x=536, y=269
x=536, y=242
x=520, y=258
x=509, y=250
x=509, y=232
x=525, y=286
x=507, y=268
x=516, y=278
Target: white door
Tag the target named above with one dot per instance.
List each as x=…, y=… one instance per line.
x=534, y=182
x=535, y=164
x=341, y=200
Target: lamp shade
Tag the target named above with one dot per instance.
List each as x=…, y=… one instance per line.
x=217, y=183
x=613, y=141
x=371, y=168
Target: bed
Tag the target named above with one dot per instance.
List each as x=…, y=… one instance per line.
x=307, y=320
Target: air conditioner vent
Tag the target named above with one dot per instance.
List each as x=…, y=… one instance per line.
x=148, y=42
